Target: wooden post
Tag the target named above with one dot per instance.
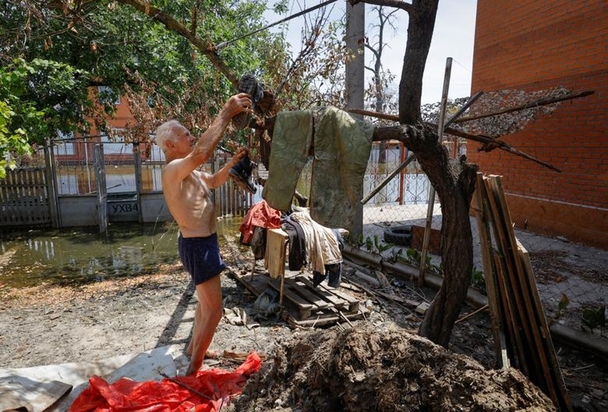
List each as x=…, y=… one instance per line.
x=355, y=77
x=138, y=179
x=51, y=183
x=403, y=154
x=429, y=214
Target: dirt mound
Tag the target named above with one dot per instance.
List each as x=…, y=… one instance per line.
x=364, y=369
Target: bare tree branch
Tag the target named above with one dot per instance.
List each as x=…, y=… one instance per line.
x=392, y=133
x=490, y=143
x=195, y=17
x=536, y=103
x=307, y=49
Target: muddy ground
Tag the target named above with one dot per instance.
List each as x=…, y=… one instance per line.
x=376, y=363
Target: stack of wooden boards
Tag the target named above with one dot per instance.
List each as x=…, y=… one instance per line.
x=518, y=319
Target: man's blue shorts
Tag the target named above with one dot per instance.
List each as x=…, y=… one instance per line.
x=201, y=257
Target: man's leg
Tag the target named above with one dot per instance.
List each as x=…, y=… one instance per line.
x=206, y=318
x=195, y=327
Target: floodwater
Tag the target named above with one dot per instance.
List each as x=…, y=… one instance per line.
x=83, y=255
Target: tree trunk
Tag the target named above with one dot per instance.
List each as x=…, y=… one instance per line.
x=419, y=35
x=456, y=248
x=454, y=182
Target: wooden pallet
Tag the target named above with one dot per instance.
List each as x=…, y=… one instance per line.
x=305, y=304
x=319, y=301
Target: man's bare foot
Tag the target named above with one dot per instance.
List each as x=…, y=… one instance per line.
x=212, y=354
x=191, y=371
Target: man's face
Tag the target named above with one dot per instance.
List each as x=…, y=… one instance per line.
x=183, y=140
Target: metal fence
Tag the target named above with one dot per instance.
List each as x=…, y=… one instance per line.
x=74, y=167
x=75, y=175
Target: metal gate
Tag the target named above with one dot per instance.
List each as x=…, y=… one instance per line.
x=24, y=198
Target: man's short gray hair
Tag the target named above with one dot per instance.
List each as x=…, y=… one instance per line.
x=164, y=133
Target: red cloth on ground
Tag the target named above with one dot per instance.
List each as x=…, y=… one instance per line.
x=260, y=215
x=167, y=396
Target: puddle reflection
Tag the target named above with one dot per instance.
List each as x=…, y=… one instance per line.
x=81, y=255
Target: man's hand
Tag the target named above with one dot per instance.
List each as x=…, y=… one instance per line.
x=238, y=103
x=240, y=154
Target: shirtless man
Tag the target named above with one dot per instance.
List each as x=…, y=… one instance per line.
x=187, y=194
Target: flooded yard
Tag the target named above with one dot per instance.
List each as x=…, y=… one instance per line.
x=81, y=255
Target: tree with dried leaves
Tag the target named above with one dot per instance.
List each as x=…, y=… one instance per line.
x=163, y=53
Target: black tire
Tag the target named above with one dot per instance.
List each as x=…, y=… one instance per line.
x=398, y=235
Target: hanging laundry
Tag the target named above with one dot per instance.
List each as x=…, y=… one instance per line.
x=333, y=272
x=291, y=142
x=322, y=247
x=276, y=251
x=342, y=144
x=260, y=215
x=258, y=243
x=297, y=243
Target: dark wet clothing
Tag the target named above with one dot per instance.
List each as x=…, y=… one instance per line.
x=297, y=243
x=201, y=257
x=342, y=145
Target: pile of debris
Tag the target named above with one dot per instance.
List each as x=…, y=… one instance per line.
x=365, y=369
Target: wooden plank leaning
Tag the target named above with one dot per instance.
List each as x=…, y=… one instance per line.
x=508, y=284
x=540, y=355
x=553, y=364
x=539, y=374
x=497, y=316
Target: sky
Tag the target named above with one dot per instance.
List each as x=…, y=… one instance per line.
x=453, y=37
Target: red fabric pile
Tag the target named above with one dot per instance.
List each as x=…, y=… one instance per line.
x=260, y=215
x=218, y=387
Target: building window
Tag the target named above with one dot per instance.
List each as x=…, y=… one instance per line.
x=108, y=96
x=116, y=144
x=65, y=144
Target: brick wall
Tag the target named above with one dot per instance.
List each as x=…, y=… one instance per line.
x=535, y=45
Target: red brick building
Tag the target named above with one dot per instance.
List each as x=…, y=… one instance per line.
x=534, y=45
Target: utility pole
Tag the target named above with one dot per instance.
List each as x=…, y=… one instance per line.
x=355, y=76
